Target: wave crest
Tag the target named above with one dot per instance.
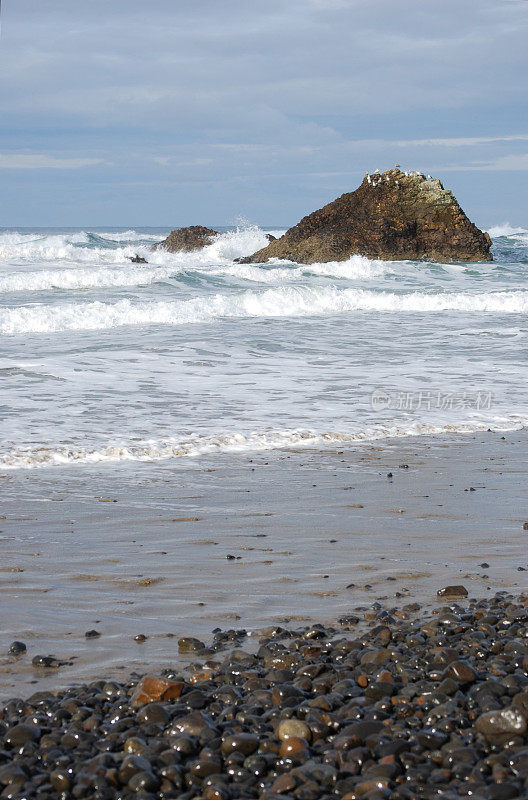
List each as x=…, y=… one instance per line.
x=286, y=301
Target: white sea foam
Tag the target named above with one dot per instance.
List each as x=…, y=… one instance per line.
x=505, y=230
x=44, y=280
x=78, y=247
x=356, y=268
x=31, y=457
x=128, y=236
x=277, y=302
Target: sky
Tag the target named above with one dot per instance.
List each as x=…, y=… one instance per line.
x=178, y=112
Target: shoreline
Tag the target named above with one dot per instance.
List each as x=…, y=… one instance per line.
x=314, y=533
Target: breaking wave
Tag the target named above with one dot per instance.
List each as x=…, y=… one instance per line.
x=44, y=280
x=505, y=230
x=357, y=267
x=113, y=248
x=31, y=457
x=289, y=301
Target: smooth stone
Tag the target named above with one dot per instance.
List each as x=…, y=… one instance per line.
x=245, y=743
x=153, y=713
x=60, y=780
x=21, y=734
x=293, y=728
x=451, y=592
x=17, y=648
x=188, y=644
x=461, y=672
x=46, y=662
x=151, y=688
x=502, y=723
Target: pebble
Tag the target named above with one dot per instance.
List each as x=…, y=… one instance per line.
x=17, y=648
x=393, y=703
x=452, y=592
x=47, y=662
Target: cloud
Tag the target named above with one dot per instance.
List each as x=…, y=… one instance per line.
x=267, y=106
x=508, y=163
x=467, y=141
x=43, y=161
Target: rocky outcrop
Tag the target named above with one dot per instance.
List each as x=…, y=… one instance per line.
x=392, y=216
x=192, y=238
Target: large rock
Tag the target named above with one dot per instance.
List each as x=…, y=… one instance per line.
x=187, y=239
x=392, y=216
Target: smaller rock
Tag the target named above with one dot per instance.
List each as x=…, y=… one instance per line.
x=188, y=644
x=21, y=734
x=151, y=689
x=11, y=773
x=46, y=662
x=498, y=726
x=60, y=780
x=140, y=637
x=153, y=713
x=137, y=259
x=245, y=743
x=295, y=728
x=461, y=672
x=187, y=239
x=451, y=592
x=17, y=648
x=93, y=634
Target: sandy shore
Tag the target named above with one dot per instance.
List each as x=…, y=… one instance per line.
x=143, y=548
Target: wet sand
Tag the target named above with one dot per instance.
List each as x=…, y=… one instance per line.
x=141, y=548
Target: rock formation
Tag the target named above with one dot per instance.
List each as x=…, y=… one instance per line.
x=392, y=216
x=187, y=239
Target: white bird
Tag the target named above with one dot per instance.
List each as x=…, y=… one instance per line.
x=376, y=172
x=368, y=180
x=429, y=178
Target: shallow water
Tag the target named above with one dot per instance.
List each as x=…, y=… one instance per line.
x=104, y=360
x=314, y=535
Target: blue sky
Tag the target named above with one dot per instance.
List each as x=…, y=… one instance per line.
x=175, y=112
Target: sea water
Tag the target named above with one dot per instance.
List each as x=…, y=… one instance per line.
x=104, y=360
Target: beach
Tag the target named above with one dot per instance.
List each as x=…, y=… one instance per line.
x=175, y=549
x=263, y=526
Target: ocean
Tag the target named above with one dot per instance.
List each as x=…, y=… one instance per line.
x=102, y=360
x=194, y=443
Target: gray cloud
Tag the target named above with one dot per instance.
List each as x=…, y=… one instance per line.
x=268, y=104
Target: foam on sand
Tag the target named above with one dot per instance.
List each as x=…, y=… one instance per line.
x=31, y=457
